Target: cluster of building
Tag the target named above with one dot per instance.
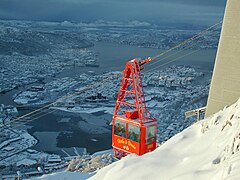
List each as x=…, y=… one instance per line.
x=31, y=54
x=148, y=36
x=21, y=70
x=173, y=92
x=7, y=113
x=18, y=159
x=49, y=92
x=93, y=97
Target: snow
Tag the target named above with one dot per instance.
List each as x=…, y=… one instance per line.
x=209, y=149
x=26, y=162
x=8, y=148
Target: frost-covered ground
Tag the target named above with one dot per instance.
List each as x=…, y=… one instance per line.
x=209, y=149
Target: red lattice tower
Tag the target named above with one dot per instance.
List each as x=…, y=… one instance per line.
x=131, y=111
x=131, y=100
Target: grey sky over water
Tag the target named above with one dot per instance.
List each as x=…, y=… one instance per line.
x=156, y=11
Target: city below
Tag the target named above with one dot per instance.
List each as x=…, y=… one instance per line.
x=44, y=63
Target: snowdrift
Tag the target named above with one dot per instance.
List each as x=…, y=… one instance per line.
x=209, y=149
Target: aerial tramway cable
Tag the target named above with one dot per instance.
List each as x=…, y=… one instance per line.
x=210, y=29
x=187, y=41
x=170, y=61
x=182, y=50
x=36, y=115
x=34, y=118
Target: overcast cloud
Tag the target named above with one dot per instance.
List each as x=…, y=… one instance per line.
x=156, y=11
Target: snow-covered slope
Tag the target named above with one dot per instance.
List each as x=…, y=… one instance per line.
x=209, y=149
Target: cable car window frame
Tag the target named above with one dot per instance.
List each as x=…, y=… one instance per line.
x=134, y=129
x=151, y=132
x=122, y=132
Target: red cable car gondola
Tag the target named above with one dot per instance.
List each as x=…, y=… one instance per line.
x=133, y=127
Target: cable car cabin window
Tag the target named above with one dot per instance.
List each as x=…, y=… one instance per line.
x=151, y=134
x=133, y=133
x=119, y=128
